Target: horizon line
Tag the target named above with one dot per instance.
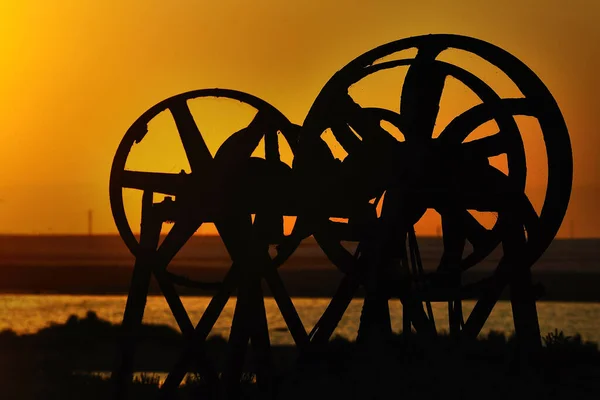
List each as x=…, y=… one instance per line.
x=50, y=234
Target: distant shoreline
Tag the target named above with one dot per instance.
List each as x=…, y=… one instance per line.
x=111, y=235
x=303, y=283
x=94, y=265
x=267, y=296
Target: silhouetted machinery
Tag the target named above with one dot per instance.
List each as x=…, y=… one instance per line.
x=336, y=201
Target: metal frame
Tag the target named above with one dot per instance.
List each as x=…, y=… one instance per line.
x=453, y=177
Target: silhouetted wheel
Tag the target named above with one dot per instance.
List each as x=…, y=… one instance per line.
x=445, y=173
x=227, y=190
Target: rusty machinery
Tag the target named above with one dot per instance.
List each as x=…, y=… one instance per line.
x=335, y=201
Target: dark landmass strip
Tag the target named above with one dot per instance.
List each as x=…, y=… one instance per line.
x=569, y=270
x=57, y=362
x=565, y=255
x=111, y=280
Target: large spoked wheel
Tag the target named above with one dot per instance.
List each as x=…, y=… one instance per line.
x=227, y=190
x=445, y=173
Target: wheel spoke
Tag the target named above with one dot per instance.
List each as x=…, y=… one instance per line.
x=487, y=189
x=195, y=148
x=272, y=146
x=460, y=127
x=513, y=200
x=346, y=138
x=483, y=240
x=499, y=196
x=367, y=124
x=489, y=146
x=381, y=66
x=476, y=233
x=421, y=94
x=502, y=111
x=157, y=182
x=240, y=146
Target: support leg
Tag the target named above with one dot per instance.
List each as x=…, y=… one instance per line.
x=522, y=295
x=334, y=312
x=238, y=344
x=195, y=342
x=261, y=344
x=527, y=327
x=136, y=299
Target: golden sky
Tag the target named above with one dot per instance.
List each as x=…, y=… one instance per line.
x=75, y=74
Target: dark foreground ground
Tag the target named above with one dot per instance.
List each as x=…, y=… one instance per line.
x=55, y=364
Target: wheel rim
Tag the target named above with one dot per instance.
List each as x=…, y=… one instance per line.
x=536, y=102
x=195, y=150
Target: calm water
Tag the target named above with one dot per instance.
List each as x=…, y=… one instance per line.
x=29, y=313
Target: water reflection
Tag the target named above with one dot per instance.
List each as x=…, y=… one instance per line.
x=29, y=313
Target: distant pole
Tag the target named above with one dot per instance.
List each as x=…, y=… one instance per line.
x=572, y=229
x=90, y=221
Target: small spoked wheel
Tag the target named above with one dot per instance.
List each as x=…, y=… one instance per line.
x=226, y=189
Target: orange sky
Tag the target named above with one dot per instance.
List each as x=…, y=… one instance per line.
x=74, y=75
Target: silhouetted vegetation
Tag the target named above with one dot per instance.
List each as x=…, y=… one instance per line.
x=72, y=361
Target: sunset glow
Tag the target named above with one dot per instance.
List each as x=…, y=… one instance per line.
x=75, y=75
